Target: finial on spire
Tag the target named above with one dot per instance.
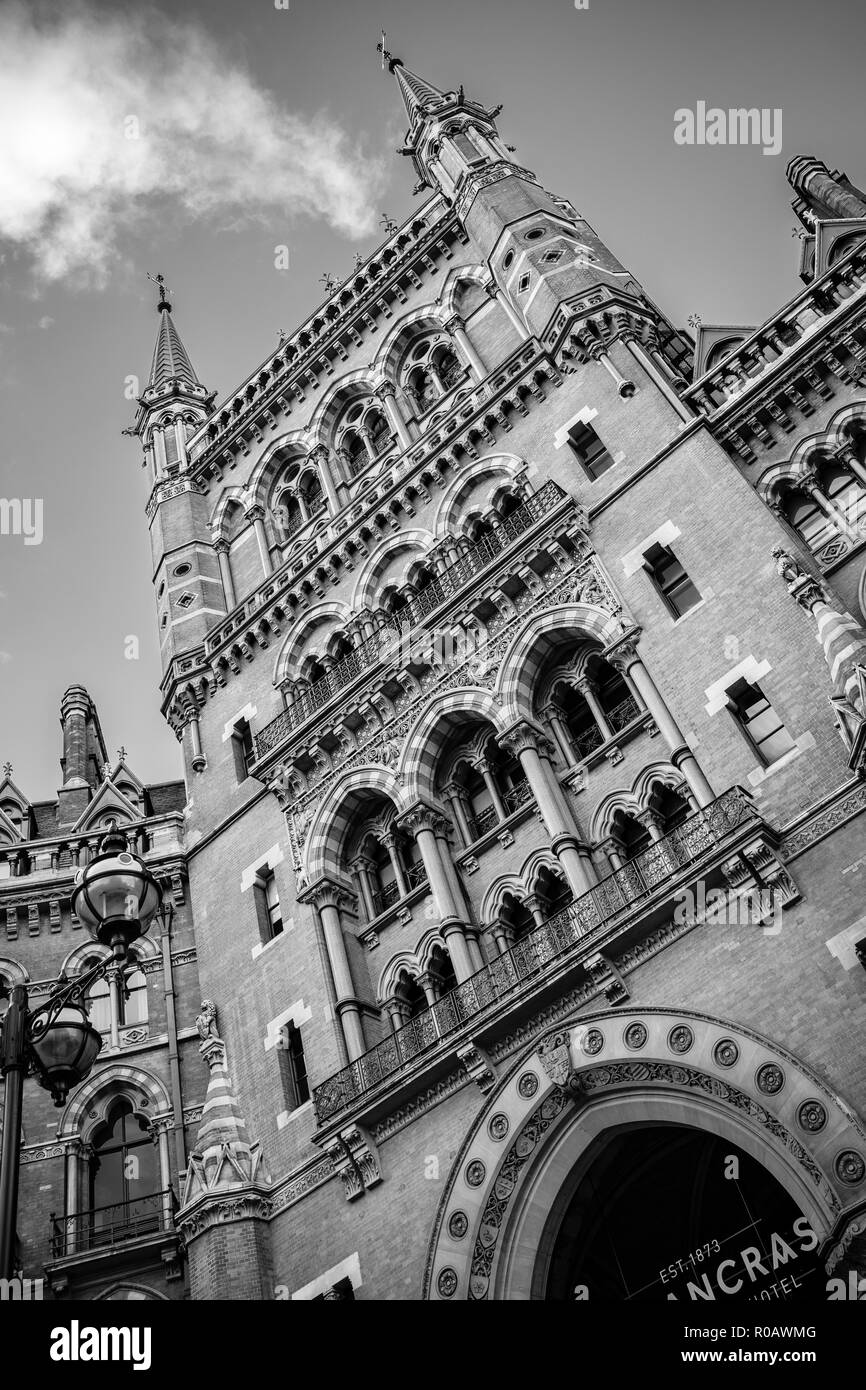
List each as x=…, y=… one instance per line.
x=7, y=769
x=163, y=292
x=121, y=754
x=388, y=224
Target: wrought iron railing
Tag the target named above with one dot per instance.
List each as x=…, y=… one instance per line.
x=416, y=874
x=447, y=583
x=484, y=820
x=517, y=796
x=384, y=897
x=622, y=714
x=102, y=1227
x=587, y=741
x=620, y=893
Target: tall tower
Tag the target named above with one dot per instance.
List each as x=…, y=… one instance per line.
x=186, y=572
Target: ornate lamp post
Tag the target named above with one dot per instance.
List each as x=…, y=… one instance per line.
x=116, y=898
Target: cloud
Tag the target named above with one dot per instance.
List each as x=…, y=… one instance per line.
x=5, y=658
x=45, y=322
x=110, y=120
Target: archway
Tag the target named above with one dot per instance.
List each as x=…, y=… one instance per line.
x=623, y=1079
x=661, y=1212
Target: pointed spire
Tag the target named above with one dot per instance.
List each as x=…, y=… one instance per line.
x=170, y=358
x=844, y=644
x=418, y=94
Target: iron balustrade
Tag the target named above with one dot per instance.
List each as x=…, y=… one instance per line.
x=416, y=874
x=619, y=893
x=517, y=796
x=484, y=820
x=448, y=582
x=587, y=741
x=622, y=714
x=385, y=897
x=102, y=1227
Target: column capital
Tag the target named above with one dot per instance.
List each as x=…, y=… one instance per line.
x=221, y=546
x=384, y=390
x=454, y=324
x=424, y=818
x=319, y=454
x=255, y=513
x=325, y=893
x=523, y=737
x=622, y=653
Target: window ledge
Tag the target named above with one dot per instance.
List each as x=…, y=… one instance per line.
x=695, y=609
x=802, y=745
x=266, y=945
x=285, y=1117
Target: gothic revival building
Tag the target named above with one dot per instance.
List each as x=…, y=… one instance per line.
x=513, y=640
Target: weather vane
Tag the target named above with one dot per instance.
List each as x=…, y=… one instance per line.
x=7, y=769
x=163, y=291
x=380, y=48
x=695, y=320
x=328, y=281
x=388, y=224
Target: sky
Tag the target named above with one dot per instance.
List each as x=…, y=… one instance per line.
x=197, y=141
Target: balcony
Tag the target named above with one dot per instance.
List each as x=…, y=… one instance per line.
x=540, y=956
x=452, y=579
x=107, y=1227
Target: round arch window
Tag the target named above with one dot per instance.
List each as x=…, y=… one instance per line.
x=181, y=570
x=534, y=234
x=509, y=260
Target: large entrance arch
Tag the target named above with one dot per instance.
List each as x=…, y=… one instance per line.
x=606, y=1095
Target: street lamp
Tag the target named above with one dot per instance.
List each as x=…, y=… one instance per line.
x=116, y=898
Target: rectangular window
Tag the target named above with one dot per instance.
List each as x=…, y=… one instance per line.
x=242, y=749
x=293, y=1067
x=588, y=449
x=268, y=908
x=759, y=722
x=678, y=592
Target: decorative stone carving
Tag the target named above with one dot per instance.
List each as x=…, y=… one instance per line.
x=635, y=1036
x=528, y=1084
x=458, y=1225
x=770, y=1079
x=680, y=1039
x=592, y=1041
x=475, y=1173
x=554, y=1054
x=206, y=1021
x=850, y=1167
x=498, y=1126
x=812, y=1116
x=477, y=1065
x=726, y=1053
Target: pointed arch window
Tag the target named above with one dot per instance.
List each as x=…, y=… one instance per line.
x=124, y=1178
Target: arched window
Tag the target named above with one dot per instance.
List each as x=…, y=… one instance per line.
x=311, y=490
x=288, y=514
x=412, y=998
x=671, y=809
x=234, y=521
x=447, y=368
x=614, y=697
x=133, y=1004
x=5, y=995
x=517, y=918
x=99, y=1002
x=378, y=431
x=633, y=837
x=579, y=720
x=355, y=451
x=442, y=972
x=811, y=523
x=848, y=494
x=422, y=389
x=124, y=1177
x=553, y=892
x=482, y=811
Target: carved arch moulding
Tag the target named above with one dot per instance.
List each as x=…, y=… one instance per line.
x=610, y=1071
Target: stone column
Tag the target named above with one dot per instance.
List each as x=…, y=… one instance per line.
x=256, y=515
x=587, y=690
x=328, y=899
x=482, y=765
x=847, y=459
x=638, y=351
x=838, y=518
x=455, y=328
x=387, y=394
x=454, y=794
x=555, y=718
x=222, y=549
x=499, y=296
x=321, y=461
x=424, y=823
x=624, y=655
x=361, y=867
x=534, y=751
x=197, y=758
x=389, y=840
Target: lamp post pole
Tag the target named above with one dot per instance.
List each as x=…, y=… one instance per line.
x=14, y=1065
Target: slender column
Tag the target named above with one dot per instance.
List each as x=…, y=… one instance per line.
x=222, y=549
x=170, y=996
x=501, y=937
x=389, y=840
x=361, y=869
x=257, y=516
x=387, y=394
x=596, y=353
x=838, y=517
x=613, y=849
x=327, y=899
x=71, y=1211
x=527, y=744
x=533, y=903
x=455, y=801
x=321, y=461
x=558, y=728
x=455, y=328
x=423, y=823
x=625, y=657
x=165, y=1173
x=638, y=351
x=499, y=296
x=197, y=758
x=848, y=459
x=482, y=765
x=115, y=985
x=426, y=983
x=587, y=690
x=650, y=821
